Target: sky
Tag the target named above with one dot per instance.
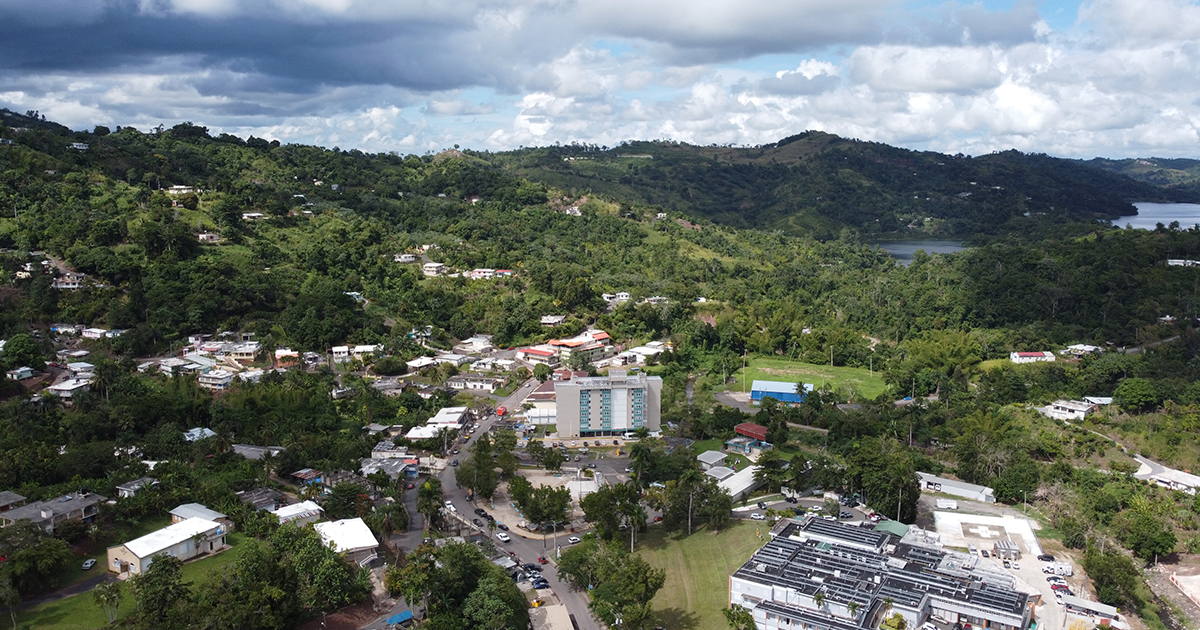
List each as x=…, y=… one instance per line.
x=1108, y=78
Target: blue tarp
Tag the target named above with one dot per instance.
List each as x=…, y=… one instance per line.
x=401, y=618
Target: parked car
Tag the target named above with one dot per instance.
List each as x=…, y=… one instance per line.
x=592, y=465
x=791, y=500
x=454, y=463
x=928, y=625
x=542, y=560
x=1046, y=557
x=984, y=553
x=480, y=511
x=88, y=564
x=409, y=486
x=1007, y=565
x=476, y=522
x=502, y=537
x=628, y=469
x=757, y=516
x=529, y=566
x=762, y=505
x=541, y=584
x=1016, y=565
x=846, y=515
x=502, y=526
x=450, y=506
x=573, y=540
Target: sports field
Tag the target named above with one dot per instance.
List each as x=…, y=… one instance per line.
x=698, y=569
x=867, y=384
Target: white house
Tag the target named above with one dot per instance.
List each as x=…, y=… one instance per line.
x=299, y=514
x=361, y=352
x=1031, y=357
x=482, y=274
x=350, y=537
x=198, y=433
x=70, y=388
x=21, y=373
x=433, y=269
x=245, y=352
x=216, y=379
x=94, y=333
x=553, y=320
x=341, y=354
x=128, y=489
x=184, y=540
x=404, y=258
x=1068, y=409
x=421, y=363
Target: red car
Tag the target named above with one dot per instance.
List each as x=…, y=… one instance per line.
x=542, y=560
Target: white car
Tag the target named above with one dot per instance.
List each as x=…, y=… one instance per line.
x=757, y=516
x=450, y=506
x=1016, y=565
x=573, y=540
x=928, y=625
x=502, y=537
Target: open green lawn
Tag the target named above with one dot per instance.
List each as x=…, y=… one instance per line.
x=992, y=364
x=867, y=384
x=80, y=612
x=698, y=569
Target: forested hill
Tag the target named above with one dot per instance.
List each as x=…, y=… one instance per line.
x=818, y=183
x=1171, y=173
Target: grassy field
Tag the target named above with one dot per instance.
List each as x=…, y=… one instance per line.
x=698, y=569
x=80, y=612
x=868, y=385
x=992, y=364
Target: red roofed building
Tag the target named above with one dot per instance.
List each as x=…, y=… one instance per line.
x=751, y=439
x=539, y=354
x=749, y=429
x=591, y=345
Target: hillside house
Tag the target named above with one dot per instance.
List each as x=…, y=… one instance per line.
x=216, y=380
x=130, y=488
x=70, y=388
x=10, y=500
x=1068, y=409
x=404, y=258
x=21, y=373
x=195, y=510
x=1031, y=357
x=198, y=433
x=476, y=382
x=245, y=352
x=351, y=538
x=299, y=514
x=551, y=321
x=261, y=498
x=84, y=506
x=539, y=354
x=432, y=269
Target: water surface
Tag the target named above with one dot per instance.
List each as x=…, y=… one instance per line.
x=903, y=251
x=1151, y=214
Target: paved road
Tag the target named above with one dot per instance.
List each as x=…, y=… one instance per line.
x=522, y=548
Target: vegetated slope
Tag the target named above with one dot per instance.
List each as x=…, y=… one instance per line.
x=1169, y=173
x=822, y=182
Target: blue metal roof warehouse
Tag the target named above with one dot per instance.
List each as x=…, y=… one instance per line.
x=783, y=392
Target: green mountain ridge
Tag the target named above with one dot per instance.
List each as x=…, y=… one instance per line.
x=821, y=183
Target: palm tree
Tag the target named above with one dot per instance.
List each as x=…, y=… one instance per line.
x=819, y=599
x=853, y=608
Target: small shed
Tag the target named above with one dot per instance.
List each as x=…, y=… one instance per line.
x=711, y=459
x=1006, y=550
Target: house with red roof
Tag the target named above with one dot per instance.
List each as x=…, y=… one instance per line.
x=751, y=440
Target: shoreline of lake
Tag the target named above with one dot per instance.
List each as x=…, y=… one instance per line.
x=1151, y=214
x=904, y=250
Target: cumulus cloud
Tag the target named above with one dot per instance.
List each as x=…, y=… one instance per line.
x=422, y=75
